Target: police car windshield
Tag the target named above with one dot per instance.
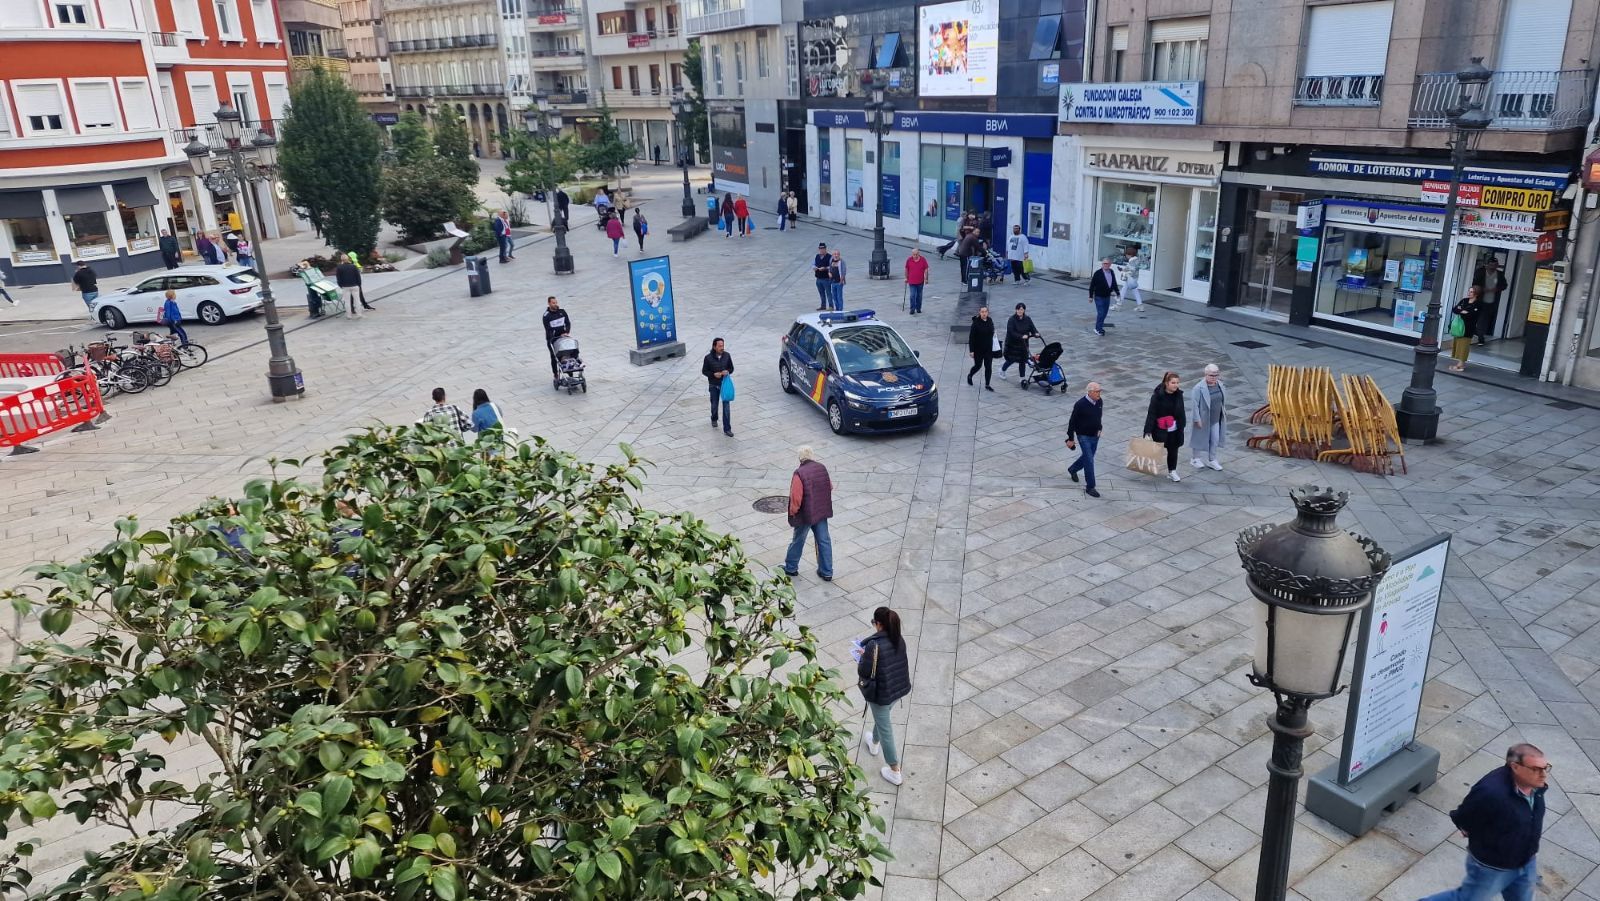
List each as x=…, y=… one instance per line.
x=868, y=348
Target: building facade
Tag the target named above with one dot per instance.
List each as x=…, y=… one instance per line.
x=452, y=52
x=750, y=56
x=97, y=101
x=1293, y=162
x=637, y=47
x=366, y=44
x=314, y=31
x=974, y=85
x=557, y=59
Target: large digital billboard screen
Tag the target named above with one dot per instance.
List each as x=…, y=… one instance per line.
x=958, y=48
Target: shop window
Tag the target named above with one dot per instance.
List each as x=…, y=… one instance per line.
x=738, y=65
x=1378, y=279
x=30, y=240
x=1205, y=237
x=90, y=235
x=138, y=222
x=889, y=54
x=855, y=190
x=1046, y=38
x=1127, y=220
x=889, y=179
x=1178, y=49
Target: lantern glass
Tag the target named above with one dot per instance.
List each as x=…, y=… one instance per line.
x=1301, y=653
x=199, y=158
x=266, y=149
x=229, y=123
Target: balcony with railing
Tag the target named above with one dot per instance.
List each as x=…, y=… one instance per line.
x=555, y=19
x=563, y=59
x=333, y=65
x=707, y=16
x=638, y=98
x=168, y=48
x=1516, y=101
x=1339, y=90
x=449, y=90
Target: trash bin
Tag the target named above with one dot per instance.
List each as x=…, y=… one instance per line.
x=711, y=209
x=477, y=276
x=975, y=276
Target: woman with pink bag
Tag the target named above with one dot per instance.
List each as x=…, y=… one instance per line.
x=1166, y=420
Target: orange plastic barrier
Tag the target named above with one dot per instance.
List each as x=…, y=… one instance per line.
x=70, y=402
x=29, y=365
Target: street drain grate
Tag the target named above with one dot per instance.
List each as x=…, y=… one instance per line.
x=775, y=503
x=1250, y=345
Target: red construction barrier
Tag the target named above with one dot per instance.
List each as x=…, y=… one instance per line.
x=29, y=365
x=72, y=401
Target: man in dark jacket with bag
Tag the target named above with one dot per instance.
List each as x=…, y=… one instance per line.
x=810, y=508
x=1502, y=818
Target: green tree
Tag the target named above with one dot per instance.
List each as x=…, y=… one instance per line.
x=533, y=167
x=606, y=153
x=410, y=138
x=430, y=672
x=450, y=141
x=421, y=197
x=328, y=158
x=698, y=122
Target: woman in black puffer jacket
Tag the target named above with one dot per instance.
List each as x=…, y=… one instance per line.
x=1166, y=420
x=884, y=676
x=1019, y=329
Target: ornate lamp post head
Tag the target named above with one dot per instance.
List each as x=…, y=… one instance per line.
x=266, y=148
x=1312, y=579
x=230, y=124
x=1474, y=81
x=199, y=155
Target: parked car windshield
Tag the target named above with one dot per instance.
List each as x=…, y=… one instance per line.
x=870, y=347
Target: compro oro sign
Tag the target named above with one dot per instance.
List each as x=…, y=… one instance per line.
x=958, y=49
x=1139, y=103
x=1392, y=659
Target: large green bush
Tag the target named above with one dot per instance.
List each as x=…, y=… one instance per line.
x=436, y=672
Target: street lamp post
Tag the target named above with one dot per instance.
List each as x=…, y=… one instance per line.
x=548, y=121
x=880, y=115
x=1417, y=414
x=680, y=112
x=235, y=172
x=1313, y=580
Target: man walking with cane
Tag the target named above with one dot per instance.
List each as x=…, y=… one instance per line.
x=1083, y=430
x=916, y=278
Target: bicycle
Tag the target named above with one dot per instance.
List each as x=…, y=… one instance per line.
x=168, y=350
x=109, y=370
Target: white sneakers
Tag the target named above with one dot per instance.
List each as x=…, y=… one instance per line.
x=873, y=747
x=890, y=776
x=1173, y=475
x=1196, y=462
x=1215, y=465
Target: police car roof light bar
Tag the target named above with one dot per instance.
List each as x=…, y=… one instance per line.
x=846, y=316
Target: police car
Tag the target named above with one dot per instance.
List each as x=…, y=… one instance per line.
x=859, y=371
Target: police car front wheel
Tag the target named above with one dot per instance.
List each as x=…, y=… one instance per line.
x=835, y=417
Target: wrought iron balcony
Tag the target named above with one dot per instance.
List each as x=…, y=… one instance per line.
x=1516, y=101
x=1339, y=90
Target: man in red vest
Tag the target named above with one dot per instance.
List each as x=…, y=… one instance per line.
x=810, y=507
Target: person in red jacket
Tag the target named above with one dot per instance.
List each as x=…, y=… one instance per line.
x=810, y=508
x=742, y=211
x=916, y=277
x=614, y=232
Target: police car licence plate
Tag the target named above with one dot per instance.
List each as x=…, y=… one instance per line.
x=902, y=414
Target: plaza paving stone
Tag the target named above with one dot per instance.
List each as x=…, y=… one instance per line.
x=1080, y=725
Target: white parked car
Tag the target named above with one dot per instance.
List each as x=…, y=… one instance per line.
x=206, y=294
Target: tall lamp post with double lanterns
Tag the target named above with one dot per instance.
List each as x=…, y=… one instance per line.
x=1417, y=414
x=680, y=116
x=1312, y=580
x=546, y=122
x=880, y=115
x=225, y=169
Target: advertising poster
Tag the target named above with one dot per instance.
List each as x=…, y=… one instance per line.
x=654, y=319
x=730, y=159
x=855, y=192
x=952, y=200
x=889, y=179
x=1405, y=314
x=958, y=48
x=825, y=162
x=1411, y=272
x=930, y=196
x=1392, y=658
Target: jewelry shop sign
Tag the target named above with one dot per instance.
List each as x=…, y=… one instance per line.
x=1138, y=103
x=1132, y=161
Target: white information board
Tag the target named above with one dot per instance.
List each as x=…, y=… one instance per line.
x=1392, y=659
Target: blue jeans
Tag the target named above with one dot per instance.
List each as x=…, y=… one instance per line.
x=1102, y=306
x=837, y=290
x=1085, y=463
x=824, y=293
x=783, y=220
x=89, y=298
x=883, y=731
x=791, y=563
x=916, y=298
x=1483, y=883
x=727, y=412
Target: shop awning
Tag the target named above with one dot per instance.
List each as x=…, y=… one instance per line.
x=21, y=205
x=134, y=193
x=74, y=201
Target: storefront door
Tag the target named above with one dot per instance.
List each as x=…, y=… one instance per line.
x=1269, y=284
x=1506, y=318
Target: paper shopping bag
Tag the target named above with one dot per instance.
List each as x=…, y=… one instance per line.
x=1146, y=456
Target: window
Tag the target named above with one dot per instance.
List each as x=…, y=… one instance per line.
x=138, y=105
x=616, y=23
x=888, y=55
x=30, y=236
x=1178, y=49
x=5, y=115
x=633, y=79
x=40, y=108
x=1346, y=51
x=227, y=20
x=716, y=68
x=117, y=14
x=1046, y=37
x=763, y=56
x=616, y=78
x=72, y=13
x=96, y=105
x=677, y=76
x=24, y=15
x=825, y=163
x=265, y=22
x=1117, y=53
x=738, y=65
x=655, y=79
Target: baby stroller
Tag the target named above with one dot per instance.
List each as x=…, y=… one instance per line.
x=995, y=267
x=570, y=365
x=1044, y=371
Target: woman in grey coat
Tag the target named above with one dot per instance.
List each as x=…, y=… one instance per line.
x=1210, y=426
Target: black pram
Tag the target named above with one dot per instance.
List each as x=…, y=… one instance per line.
x=1044, y=371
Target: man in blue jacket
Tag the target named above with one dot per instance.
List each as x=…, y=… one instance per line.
x=1502, y=817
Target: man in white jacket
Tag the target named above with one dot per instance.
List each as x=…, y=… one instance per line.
x=1016, y=249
